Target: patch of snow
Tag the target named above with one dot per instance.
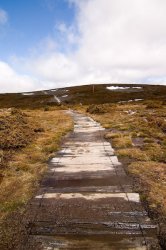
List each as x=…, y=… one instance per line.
x=121, y=88
x=116, y=88
x=27, y=93
x=136, y=87
x=65, y=96
x=130, y=112
x=45, y=92
x=53, y=90
x=134, y=100
x=137, y=100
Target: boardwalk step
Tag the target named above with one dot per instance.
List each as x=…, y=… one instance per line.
x=122, y=228
x=92, y=242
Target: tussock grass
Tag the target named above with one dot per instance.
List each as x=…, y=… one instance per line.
x=112, y=135
x=97, y=109
x=152, y=104
x=119, y=140
x=25, y=165
x=133, y=153
x=152, y=176
x=122, y=142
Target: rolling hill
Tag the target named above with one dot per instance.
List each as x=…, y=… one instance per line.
x=86, y=94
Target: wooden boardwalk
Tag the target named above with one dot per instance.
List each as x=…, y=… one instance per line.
x=86, y=200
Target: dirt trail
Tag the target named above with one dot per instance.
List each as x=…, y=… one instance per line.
x=86, y=200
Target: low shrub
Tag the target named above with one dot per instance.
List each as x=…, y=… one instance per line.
x=122, y=142
x=15, y=130
x=158, y=122
x=47, y=108
x=152, y=105
x=96, y=109
x=112, y=135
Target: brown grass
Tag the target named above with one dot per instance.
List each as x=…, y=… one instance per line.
x=24, y=167
x=133, y=153
x=122, y=142
x=16, y=130
x=153, y=178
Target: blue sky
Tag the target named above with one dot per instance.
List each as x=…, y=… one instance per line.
x=55, y=43
x=31, y=21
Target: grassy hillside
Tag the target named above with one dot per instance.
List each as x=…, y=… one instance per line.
x=101, y=94
x=82, y=95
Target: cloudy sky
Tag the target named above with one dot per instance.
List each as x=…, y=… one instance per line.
x=54, y=43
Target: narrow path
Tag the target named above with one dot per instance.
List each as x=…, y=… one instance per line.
x=57, y=99
x=86, y=200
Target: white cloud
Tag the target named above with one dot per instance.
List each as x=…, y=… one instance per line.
x=3, y=16
x=10, y=81
x=126, y=39
x=114, y=41
x=68, y=36
x=122, y=41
